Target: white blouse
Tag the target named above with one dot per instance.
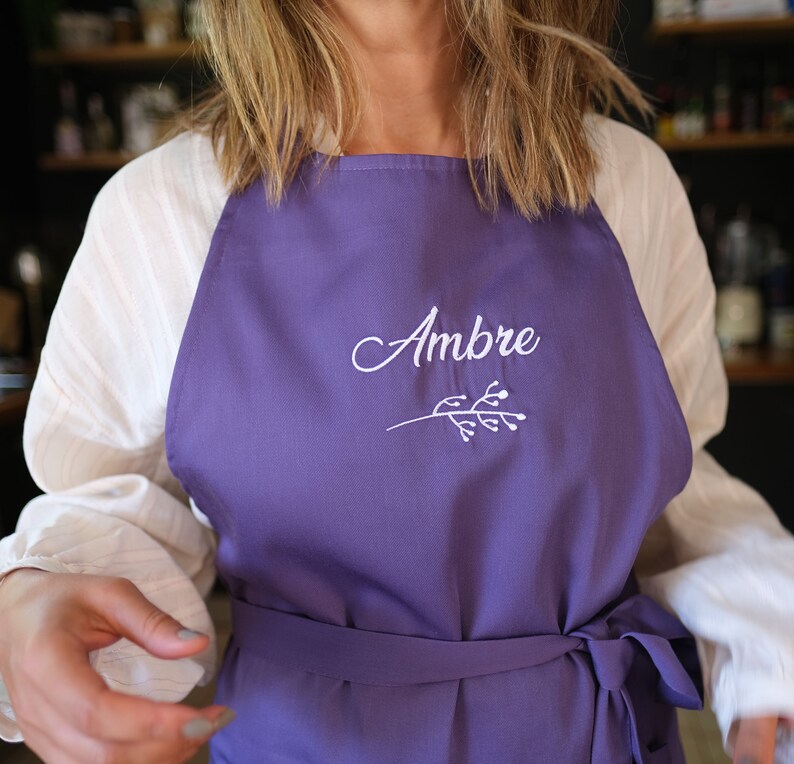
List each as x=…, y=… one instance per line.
x=718, y=557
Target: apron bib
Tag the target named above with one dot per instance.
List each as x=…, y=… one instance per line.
x=431, y=442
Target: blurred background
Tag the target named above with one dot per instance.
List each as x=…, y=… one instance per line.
x=91, y=83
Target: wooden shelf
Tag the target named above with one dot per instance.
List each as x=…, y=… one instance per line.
x=741, y=30
x=760, y=367
x=730, y=142
x=181, y=53
x=96, y=162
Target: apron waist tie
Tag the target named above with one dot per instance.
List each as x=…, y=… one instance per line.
x=378, y=658
x=612, y=640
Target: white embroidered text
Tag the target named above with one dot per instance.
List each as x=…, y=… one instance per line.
x=430, y=344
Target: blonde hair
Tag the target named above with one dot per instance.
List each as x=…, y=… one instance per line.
x=533, y=68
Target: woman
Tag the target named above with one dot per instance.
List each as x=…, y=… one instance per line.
x=417, y=394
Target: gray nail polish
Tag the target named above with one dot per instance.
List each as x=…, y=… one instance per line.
x=188, y=634
x=748, y=760
x=226, y=718
x=198, y=728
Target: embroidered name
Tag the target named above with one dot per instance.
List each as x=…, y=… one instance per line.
x=430, y=344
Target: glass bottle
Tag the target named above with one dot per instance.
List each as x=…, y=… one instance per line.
x=68, y=135
x=721, y=115
x=738, y=272
x=100, y=134
x=697, y=116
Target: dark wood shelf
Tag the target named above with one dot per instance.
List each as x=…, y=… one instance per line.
x=97, y=162
x=760, y=366
x=739, y=30
x=730, y=142
x=181, y=53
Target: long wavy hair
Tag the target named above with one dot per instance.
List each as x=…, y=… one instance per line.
x=532, y=70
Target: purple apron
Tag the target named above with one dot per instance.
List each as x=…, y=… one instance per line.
x=431, y=442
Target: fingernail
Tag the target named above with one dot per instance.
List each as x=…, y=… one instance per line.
x=226, y=718
x=188, y=634
x=748, y=760
x=197, y=728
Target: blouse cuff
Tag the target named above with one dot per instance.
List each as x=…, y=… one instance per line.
x=742, y=691
x=738, y=607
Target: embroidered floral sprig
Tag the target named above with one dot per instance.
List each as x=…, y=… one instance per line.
x=466, y=427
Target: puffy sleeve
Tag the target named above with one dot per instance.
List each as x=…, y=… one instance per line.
x=718, y=557
x=93, y=434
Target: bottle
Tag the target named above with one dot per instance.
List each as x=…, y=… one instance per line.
x=124, y=24
x=775, y=118
x=748, y=112
x=100, y=135
x=774, y=97
x=681, y=113
x=680, y=75
x=689, y=120
x=68, y=135
x=664, y=121
x=738, y=272
x=161, y=20
x=721, y=115
x=749, y=100
x=696, y=116
x=666, y=10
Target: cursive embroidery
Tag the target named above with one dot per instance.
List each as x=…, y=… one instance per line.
x=484, y=417
x=524, y=343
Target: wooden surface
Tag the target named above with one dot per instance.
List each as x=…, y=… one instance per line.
x=181, y=52
x=760, y=367
x=730, y=142
x=776, y=27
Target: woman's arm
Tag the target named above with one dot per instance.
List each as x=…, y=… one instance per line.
x=728, y=570
x=94, y=428
x=718, y=556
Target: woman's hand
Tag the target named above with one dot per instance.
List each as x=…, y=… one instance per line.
x=50, y=622
x=755, y=739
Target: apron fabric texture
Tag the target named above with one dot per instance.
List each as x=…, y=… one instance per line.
x=431, y=441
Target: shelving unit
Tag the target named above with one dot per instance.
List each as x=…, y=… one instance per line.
x=157, y=63
x=760, y=366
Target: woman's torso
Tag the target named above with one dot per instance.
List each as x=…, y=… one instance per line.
x=314, y=418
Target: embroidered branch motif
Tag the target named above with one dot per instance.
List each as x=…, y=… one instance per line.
x=466, y=427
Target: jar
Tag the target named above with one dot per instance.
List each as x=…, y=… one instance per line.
x=125, y=25
x=740, y=316
x=75, y=30
x=161, y=21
